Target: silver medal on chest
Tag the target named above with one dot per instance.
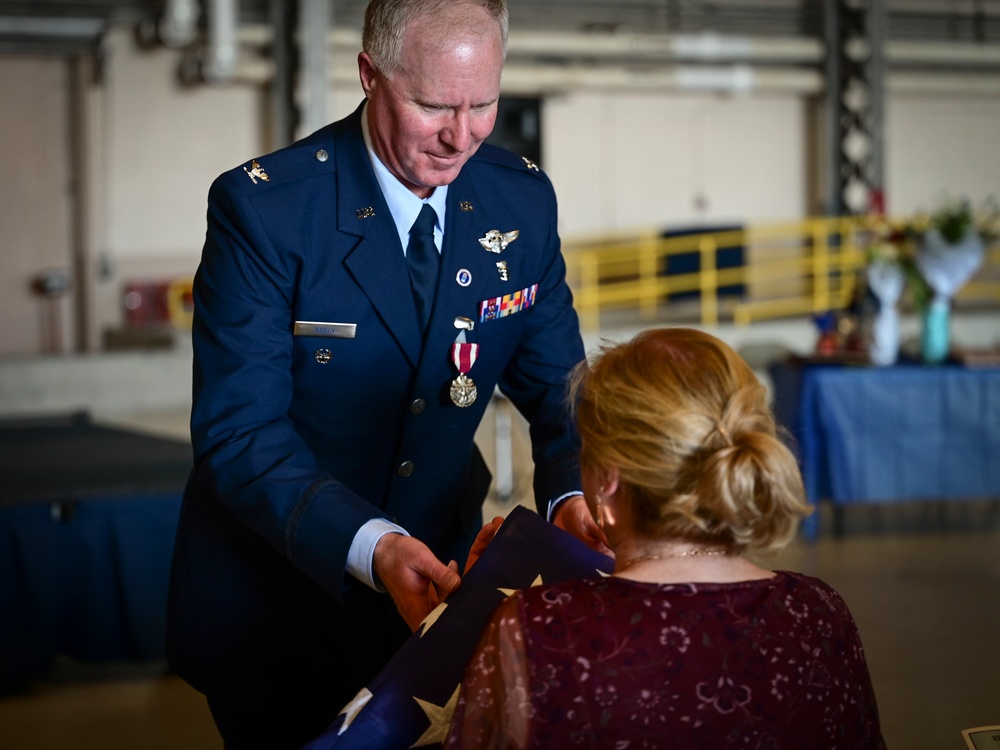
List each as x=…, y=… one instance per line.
x=463, y=391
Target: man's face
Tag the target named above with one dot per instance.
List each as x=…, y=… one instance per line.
x=429, y=119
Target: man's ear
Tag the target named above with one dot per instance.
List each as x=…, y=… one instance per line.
x=367, y=72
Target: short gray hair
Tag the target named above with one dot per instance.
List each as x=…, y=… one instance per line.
x=386, y=22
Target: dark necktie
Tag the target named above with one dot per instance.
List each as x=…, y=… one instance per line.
x=424, y=261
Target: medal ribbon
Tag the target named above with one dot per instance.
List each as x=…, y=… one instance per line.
x=463, y=356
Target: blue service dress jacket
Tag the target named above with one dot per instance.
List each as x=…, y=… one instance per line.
x=318, y=405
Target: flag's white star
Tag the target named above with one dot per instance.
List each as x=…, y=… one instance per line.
x=432, y=618
x=352, y=709
x=510, y=592
x=440, y=719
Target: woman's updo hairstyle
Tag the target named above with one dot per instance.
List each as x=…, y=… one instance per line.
x=687, y=424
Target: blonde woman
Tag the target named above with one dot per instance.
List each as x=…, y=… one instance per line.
x=688, y=644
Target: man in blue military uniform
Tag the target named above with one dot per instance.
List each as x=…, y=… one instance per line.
x=335, y=469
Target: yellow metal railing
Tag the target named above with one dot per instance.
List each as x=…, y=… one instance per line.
x=985, y=285
x=788, y=269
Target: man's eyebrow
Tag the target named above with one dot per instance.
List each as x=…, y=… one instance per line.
x=443, y=105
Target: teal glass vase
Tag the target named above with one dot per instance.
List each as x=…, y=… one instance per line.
x=935, y=337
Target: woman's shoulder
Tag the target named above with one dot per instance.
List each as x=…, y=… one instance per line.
x=810, y=585
x=783, y=582
x=590, y=595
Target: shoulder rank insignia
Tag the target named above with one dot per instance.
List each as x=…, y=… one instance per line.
x=496, y=241
x=529, y=163
x=255, y=171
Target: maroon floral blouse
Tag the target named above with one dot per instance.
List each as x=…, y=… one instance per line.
x=613, y=663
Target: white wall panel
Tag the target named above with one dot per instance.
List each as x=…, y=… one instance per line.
x=35, y=217
x=754, y=159
x=623, y=160
x=167, y=143
x=939, y=147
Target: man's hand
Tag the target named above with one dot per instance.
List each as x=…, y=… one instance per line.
x=483, y=539
x=416, y=580
x=573, y=515
x=435, y=594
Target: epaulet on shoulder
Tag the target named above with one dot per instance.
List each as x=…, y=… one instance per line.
x=505, y=158
x=291, y=163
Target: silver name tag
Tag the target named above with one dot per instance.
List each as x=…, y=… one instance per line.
x=326, y=330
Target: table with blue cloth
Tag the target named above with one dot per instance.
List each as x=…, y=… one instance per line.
x=911, y=431
x=87, y=521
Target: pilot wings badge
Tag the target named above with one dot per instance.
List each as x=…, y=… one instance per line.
x=256, y=171
x=496, y=241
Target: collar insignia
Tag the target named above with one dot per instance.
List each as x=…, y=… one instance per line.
x=256, y=171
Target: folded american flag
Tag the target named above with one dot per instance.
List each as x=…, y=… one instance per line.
x=411, y=701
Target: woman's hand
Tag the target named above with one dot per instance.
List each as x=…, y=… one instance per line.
x=573, y=516
x=483, y=539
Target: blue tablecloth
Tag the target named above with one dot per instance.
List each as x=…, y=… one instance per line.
x=93, y=587
x=84, y=571
x=882, y=434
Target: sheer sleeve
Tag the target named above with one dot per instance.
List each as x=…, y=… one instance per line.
x=494, y=706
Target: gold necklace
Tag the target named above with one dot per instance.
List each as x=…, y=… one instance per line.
x=693, y=552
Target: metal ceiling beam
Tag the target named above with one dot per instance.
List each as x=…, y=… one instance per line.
x=39, y=35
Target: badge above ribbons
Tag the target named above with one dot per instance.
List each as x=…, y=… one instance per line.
x=496, y=241
x=411, y=701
